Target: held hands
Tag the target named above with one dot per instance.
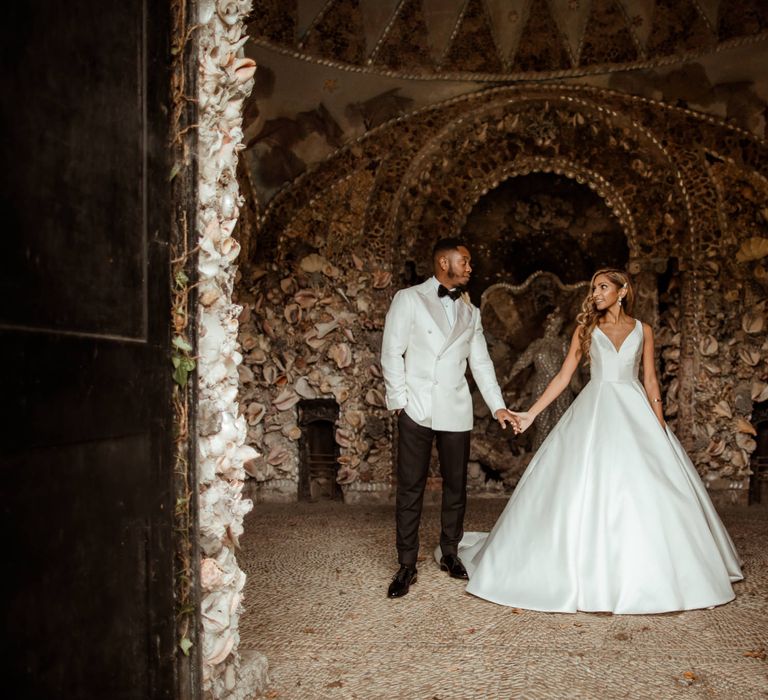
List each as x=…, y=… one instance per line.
x=505, y=416
x=523, y=421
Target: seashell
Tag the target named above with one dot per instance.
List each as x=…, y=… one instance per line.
x=363, y=305
x=287, y=284
x=346, y=475
x=324, y=329
x=708, y=346
x=209, y=295
x=752, y=249
x=257, y=357
x=355, y=419
x=292, y=314
x=254, y=413
x=375, y=398
x=278, y=455
x=270, y=374
x=285, y=400
x=753, y=322
x=759, y=391
x=267, y=328
x=760, y=273
x=313, y=263
x=722, y=408
x=331, y=271
x=343, y=437
x=349, y=460
x=244, y=69
x=732, y=295
x=341, y=394
x=738, y=460
x=357, y=262
x=348, y=333
x=671, y=353
x=381, y=279
x=305, y=298
x=712, y=267
x=291, y=431
x=712, y=369
x=341, y=354
x=313, y=341
x=248, y=341
x=744, y=426
x=716, y=447
x=304, y=389
x=375, y=370
x=749, y=356
x=220, y=651
x=746, y=443
x=245, y=374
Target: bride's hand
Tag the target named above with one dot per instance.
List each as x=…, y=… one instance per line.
x=524, y=421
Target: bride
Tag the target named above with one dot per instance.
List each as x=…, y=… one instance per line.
x=610, y=514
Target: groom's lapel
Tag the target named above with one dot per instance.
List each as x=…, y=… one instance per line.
x=435, y=308
x=463, y=319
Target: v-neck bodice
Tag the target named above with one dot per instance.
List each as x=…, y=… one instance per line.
x=611, y=365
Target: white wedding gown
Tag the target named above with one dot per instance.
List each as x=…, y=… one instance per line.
x=610, y=514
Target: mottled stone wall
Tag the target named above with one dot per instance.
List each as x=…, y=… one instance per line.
x=335, y=244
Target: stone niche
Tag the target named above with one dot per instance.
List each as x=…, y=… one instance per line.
x=679, y=197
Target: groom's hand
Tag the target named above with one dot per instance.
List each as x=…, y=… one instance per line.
x=504, y=416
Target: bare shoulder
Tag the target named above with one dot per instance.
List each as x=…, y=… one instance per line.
x=647, y=330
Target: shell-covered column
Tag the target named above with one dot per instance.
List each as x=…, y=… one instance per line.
x=225, y=80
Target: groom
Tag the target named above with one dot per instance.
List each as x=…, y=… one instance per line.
x=430, y=332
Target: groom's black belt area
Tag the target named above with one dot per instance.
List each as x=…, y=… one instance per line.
x=454, y=293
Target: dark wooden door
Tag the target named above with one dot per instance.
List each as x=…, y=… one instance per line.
x=86, y=494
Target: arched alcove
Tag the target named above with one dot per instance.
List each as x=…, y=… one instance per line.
x=541, y=221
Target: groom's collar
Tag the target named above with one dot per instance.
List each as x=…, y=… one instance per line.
x=436, y=283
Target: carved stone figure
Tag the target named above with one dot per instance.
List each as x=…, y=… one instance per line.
x=546, y=354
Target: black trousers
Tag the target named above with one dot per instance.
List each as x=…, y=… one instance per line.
x=413, y=456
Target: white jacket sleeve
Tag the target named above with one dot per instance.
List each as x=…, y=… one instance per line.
x=397, y=330
x=482, y=367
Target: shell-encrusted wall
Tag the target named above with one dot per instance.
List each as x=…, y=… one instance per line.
x=311, y=329
x=687, y=189
x=225, y=81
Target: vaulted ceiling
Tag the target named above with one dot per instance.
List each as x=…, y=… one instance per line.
x=503, y=37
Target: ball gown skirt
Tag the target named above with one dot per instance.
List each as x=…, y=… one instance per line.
x=610, y=514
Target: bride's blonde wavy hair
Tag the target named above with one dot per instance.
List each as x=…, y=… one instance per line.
x=590, y=316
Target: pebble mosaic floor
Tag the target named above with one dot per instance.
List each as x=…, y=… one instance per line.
x=316, y=606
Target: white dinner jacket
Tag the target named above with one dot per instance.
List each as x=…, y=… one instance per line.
x=424, y=360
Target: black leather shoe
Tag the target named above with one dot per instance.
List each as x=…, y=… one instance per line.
x=452, y=564
x=405, y=576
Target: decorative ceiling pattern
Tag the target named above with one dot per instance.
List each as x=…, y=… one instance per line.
x=502, y=37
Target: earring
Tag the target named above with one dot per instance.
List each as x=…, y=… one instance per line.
x=619, y=301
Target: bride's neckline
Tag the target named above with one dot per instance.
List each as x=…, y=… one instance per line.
x=624, y=339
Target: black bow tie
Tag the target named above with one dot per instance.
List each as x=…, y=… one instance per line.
x=454, y=293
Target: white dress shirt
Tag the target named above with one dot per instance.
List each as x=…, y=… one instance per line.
x=447, y=303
